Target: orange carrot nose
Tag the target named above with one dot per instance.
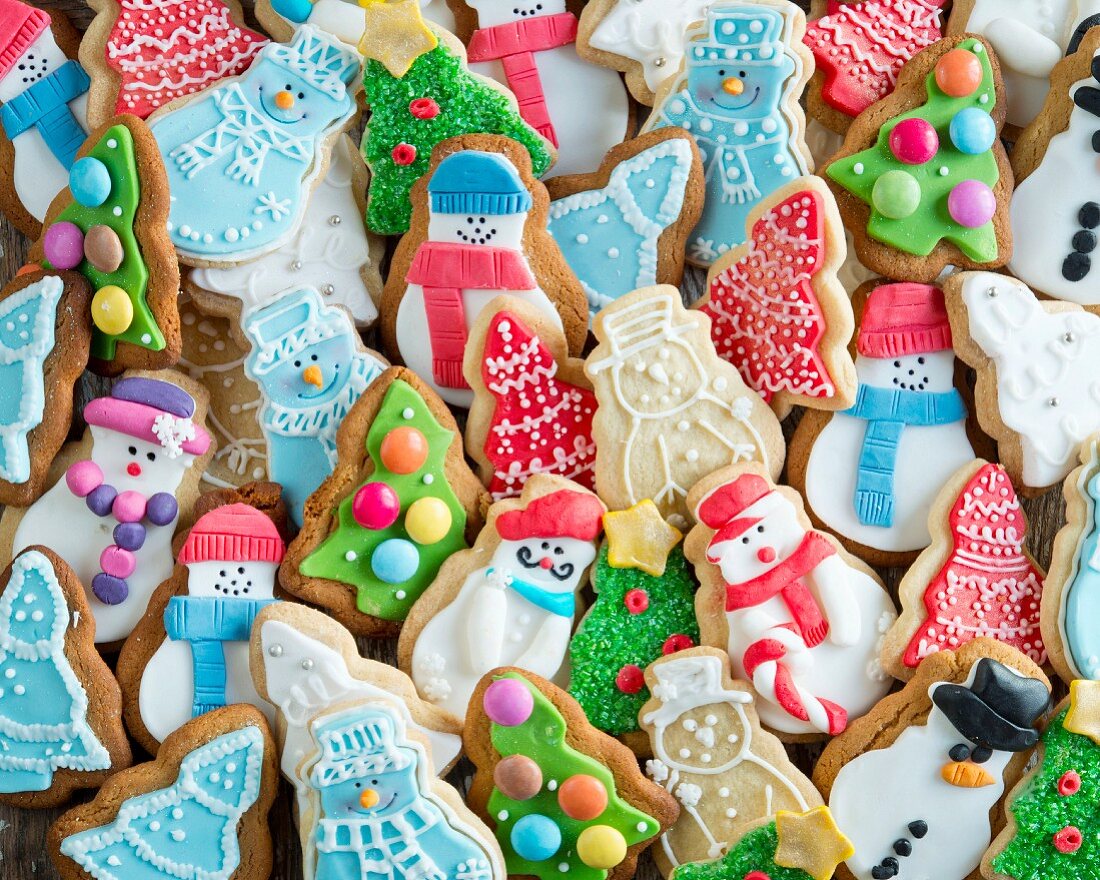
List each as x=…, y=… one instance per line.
x=731, y=86
x=285, y=100
x=369, y=799
x=312, y=375
x=966, y=774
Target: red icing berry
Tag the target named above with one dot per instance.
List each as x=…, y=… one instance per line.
x=636, y=601
x=757, y=875
x=630, y=679
x=1068, y=840
x=677, y=642
x=914, y=141
x=424, y=108
x=404, y=154
x=1070, y=783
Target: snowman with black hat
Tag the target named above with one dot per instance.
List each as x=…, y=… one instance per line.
x=919, y=809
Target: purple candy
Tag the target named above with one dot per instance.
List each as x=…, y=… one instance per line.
x=161, y=509
x=64, y=245
x=971, y=204
x=508, y=702
x=101, y=499
x=129, y=536
x=110, y=590
x=153, y=392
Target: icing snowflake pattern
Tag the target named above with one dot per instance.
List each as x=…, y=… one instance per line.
x=173, y=433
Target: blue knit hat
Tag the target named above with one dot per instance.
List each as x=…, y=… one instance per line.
x=472, y=182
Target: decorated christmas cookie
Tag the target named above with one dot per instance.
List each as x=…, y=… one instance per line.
x=870, y=473
x=43, y=117
x=332, y=252
x=533, y=406
x=44, y=340
x=737, y=93
x=109, y=225
x=479, y=217
x=711, y=754
x=198, y=810
x=244, y=155
x=119, y=493
x=670, y=409
x=922, y=179
x=60, y=707
x=400, y=501
x=348, y=21
x=644, y=610
x=777, y=309
x=563, y=798
x=975, y=579
x=1036, y=382
x=311, y=367
x=143, y=54
x=511, y=600
x=915, y=784
x=626, y=225
x=801, y=618
x=196, y=629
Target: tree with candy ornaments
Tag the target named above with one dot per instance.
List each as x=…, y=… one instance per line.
x=644, y=609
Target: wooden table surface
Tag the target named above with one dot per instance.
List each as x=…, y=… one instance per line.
x=23, y=854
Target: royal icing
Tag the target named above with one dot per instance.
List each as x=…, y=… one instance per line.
x=190, y=828
x=43, y=705
x=1079, y=591
x=737, y=95
x=610, y=237
x=310, y=366
x=243, y=156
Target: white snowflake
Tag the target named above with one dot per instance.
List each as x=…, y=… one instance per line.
x=656, y=769
x=278, y=208
x=688, y=794
x=702, y=249
x=173, y=433
x=475, y=869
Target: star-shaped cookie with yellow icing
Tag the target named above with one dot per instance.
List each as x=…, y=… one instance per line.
x=639, y=537
x=811, y=842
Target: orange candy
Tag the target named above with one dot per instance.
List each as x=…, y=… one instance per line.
x=582, y=797
x=403, y=450
x=959, y=73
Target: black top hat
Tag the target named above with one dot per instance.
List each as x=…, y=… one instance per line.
x=998, y=711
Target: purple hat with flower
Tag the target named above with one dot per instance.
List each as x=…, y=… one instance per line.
x=151, y=410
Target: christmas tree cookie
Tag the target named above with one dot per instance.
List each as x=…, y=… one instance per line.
x=922, y=179
x=563, y=798
x=644, y=610
x=400, y=501
x=109, y=225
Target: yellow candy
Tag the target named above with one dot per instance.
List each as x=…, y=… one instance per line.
x=112, y=311
x=428, y=520
x=601, y=847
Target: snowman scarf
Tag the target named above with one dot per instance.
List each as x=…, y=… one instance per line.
x=45, y=106
x=249, y=133
x=387, y=846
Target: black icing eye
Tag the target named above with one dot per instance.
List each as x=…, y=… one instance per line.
x=301, y=96
x=240, y=570
x=287, y=87
x=132, y=450
x=960, y=752
x=981, y=754
x=558, y=551
x=897, y=363
x=742, y=74
x=920, y=360
x=152, y=456
x=744, y=540
x=545, y=545
x=297, y=364
x=313, y=357
x=359, y=785
x=760, y=529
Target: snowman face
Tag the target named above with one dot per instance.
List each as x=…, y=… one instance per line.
x=709, y=740
x=556, y=564
x=374, y=796
x=133, y=465
x=492, y=230
x=240, y=580
x=739, y=90
x=490, y=13
x=932, y=372
x=313, y=377
x=289, y=101
x=660, y=379
x=289, y=658
x=41, y=59
x=760, y=547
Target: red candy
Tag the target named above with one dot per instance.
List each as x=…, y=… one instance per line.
x=424, y=108
x=1069, y=784
x=914, y=141
x=582, y=797
x=630, y=679
x=636, y=601
x=375, y=506
x=757, y=875
x=1068, y=840
x=403, y=154
x=959, y=73
x=677, y=642
x=404, y=450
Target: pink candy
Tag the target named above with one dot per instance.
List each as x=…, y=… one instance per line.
x=971, y=204
x=117, y=562
x=914, y=141
x=82, y=477
x=64, y=245
x=508, y=702
x=376, y=506
x=128, y=507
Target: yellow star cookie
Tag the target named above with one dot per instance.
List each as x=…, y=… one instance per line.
x=811, y=842
x=395, y=34
x=1083, y=717
x=639, y=537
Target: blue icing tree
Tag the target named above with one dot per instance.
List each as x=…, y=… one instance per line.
x=43, y=706
x=183, y=831
x=737, y=95
x=240, y=155
x=27, y=321
x=610, y=236
x=307, y=359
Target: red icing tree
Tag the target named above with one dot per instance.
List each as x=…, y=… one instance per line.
x=541, y=424
x=988, y=586
x=861, y=47
x=765, y=316
x=164, y=49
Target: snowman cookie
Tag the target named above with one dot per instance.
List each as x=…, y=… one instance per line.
x=479, y=218
x=510, y=600
x=800, y=618
x=401, y=500
x=119, y=493
x=917, y=783
x=870, y=473
x=44, y=117
x=670, y=409
x=711, y=754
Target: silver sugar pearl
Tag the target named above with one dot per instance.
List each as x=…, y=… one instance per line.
x=991, y=292
x=275, y=650
x=334, y=220
x=296, y=265
x=307, y=664
x=660, y=61
x=1053, y=401
x=328, y=290
x=1068, y=337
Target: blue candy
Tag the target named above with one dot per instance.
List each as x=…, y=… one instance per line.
x=90, y=182
x=536, y=837
x=973, y=131
x=395, y=560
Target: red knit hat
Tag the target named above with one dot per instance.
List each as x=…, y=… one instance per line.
x=20, y=25
x=722, y=509
x=234, y=533
x=903, y=319
x=561, y=514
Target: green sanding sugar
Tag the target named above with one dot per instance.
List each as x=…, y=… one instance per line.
x=753, y=852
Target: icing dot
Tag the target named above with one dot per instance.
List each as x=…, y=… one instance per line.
x=407, y=413
x=154, y=825
x=19, y=690
x=179, y=835
x=582, y=238
x=351, y=556
x=114, y=861
x=177, y=813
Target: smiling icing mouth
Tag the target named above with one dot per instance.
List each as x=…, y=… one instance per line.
x=749, y=103
x=281, y=119
x=323, y=391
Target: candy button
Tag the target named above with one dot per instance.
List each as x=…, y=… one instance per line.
x=428, y=520
x=636, y=601
x=129, y=536
x=403, y=450
x=971, y=204
x=896, y=194
x=82, y=477
x=129, y=507
x=601, y=847
x=518, y=777
x=109, y=590
x=162, y=508
x=424, y=108
x=100, y=499
x=973, y=131
x=375, y=506
x=117, y=562
x=630, y=679
x=103, y=249
x=403, y=154
x=582, y=797
x=90, y=182
x=535, y=837
x=914, y=141
x=508, y=702
x=112, y=310
x=63, y=245
x=395, y=560
x=959, y=73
